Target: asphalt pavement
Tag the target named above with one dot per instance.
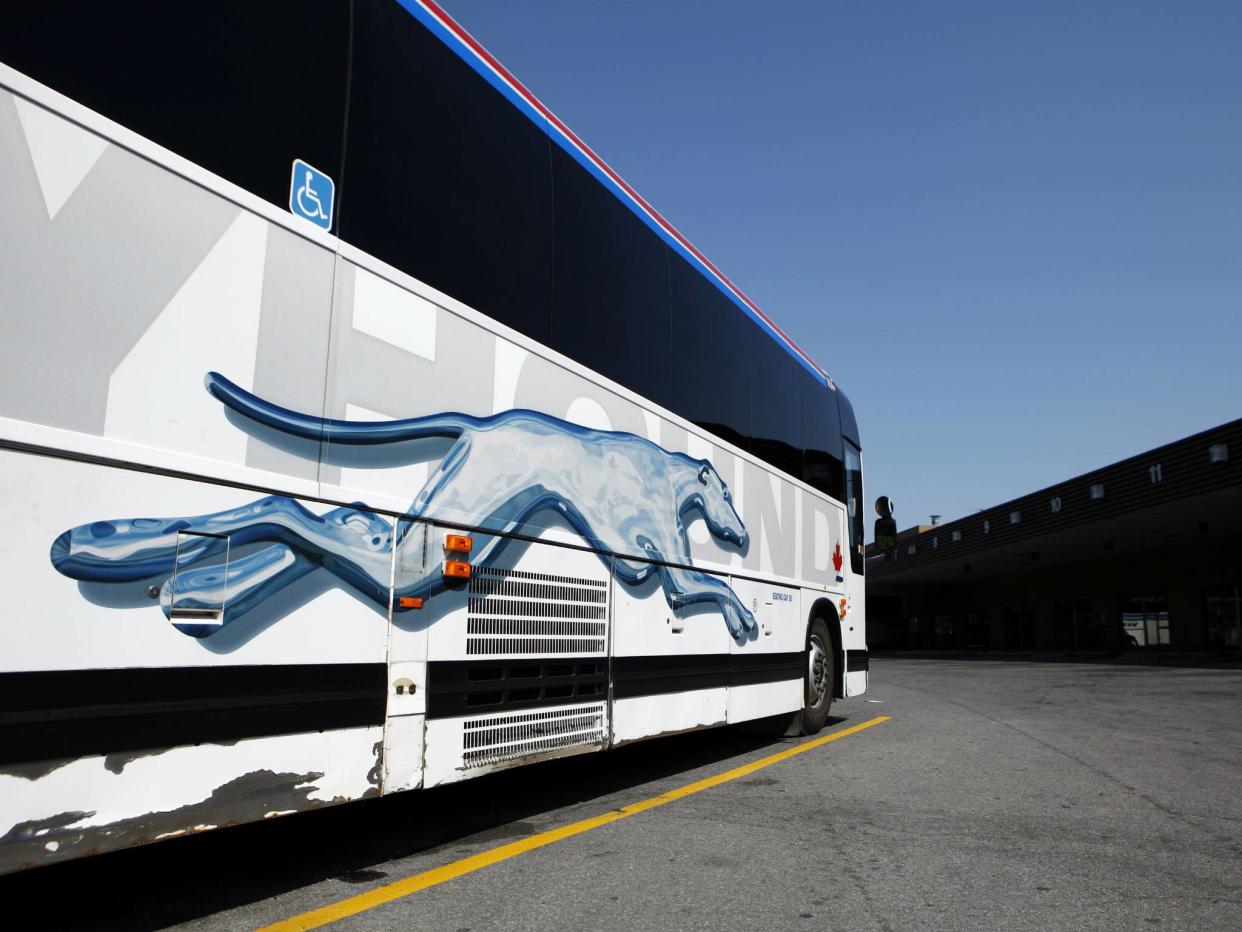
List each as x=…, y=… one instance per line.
x=998, y=795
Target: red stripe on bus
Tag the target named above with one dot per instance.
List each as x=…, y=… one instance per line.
x=453, y=26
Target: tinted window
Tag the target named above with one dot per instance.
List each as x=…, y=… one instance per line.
x=849, y=426
x=610, y=296
x=709, y=355
x=444, y=178
x=854, y=506
x=775, y=401
x=240, y=88
x=822, y=468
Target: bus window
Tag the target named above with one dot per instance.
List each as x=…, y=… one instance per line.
x=853, y=503
x=822, y=468
x=444, y=178
x=710, y=347
x=610, y=300
x=248, y=89
x=775, y=402
x=849, y=425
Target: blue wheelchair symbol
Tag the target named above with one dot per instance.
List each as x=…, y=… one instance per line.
x=311, y=193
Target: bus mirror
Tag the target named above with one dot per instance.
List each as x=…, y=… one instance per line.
x=885, y=526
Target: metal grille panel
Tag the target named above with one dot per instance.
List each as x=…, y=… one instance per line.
x=495, y=739
x=519, y=612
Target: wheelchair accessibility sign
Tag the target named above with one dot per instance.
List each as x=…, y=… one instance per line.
x=310, y=194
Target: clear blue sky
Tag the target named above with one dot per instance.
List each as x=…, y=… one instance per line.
x=1012, y=232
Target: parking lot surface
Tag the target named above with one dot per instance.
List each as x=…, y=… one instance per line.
x=996, y=795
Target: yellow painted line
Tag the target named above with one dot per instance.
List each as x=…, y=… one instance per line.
x=438, y=875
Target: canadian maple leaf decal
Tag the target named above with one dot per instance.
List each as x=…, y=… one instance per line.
x=837, y=559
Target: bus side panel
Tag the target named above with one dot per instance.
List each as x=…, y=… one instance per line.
x=125, y=284
x=145, y=696
x=670, y=668
x=854, y=637
x=767, y=672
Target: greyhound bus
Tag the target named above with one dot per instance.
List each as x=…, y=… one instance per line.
x=361, y=431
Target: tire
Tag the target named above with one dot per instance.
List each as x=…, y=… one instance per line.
x=820, y=659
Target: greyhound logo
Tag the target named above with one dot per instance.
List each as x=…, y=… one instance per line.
x=620, y=493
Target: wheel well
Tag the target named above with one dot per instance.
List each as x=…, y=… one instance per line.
x=823, y=608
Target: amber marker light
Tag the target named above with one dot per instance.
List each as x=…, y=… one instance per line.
x=409, y=601
x=456, y=569
x=458, y=543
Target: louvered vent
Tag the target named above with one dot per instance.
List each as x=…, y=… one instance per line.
x=516, y=612
x=495, y=739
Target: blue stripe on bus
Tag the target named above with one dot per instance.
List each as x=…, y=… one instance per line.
x=480, y=67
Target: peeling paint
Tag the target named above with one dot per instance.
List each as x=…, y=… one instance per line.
x=35, y=770
x=673, y=732
x=247, y=798
x=36, y=828
x=375, y=775
x=116, y=762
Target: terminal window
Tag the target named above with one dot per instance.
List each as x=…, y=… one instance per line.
x=977, y=629
x=1145, y=620
x=1072, y=626
x=1019, y=628
x=1224, y=616
x=944, y=628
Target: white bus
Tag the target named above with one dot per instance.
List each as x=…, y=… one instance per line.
x=361, y=431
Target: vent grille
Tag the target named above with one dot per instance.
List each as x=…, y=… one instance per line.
x=499, y=738
x=518, y=612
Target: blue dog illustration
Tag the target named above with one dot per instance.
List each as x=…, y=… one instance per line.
x=621, y=493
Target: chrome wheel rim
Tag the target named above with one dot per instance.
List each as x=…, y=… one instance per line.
x=816, y=673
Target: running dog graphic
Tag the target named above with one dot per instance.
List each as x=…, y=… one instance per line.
x=619, y=492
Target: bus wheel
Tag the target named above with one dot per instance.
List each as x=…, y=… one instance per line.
x=819, y=659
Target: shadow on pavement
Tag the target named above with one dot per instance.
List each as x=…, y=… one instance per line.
x=178, y=880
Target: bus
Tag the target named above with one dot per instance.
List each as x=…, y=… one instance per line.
x=362, y=431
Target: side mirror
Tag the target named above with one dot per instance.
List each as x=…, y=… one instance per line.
x=885, y=526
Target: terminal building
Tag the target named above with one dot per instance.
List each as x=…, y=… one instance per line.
x=1143, y=554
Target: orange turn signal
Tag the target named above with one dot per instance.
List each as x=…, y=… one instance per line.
x=458, y=543
x=409, y=601
x=456, y=569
